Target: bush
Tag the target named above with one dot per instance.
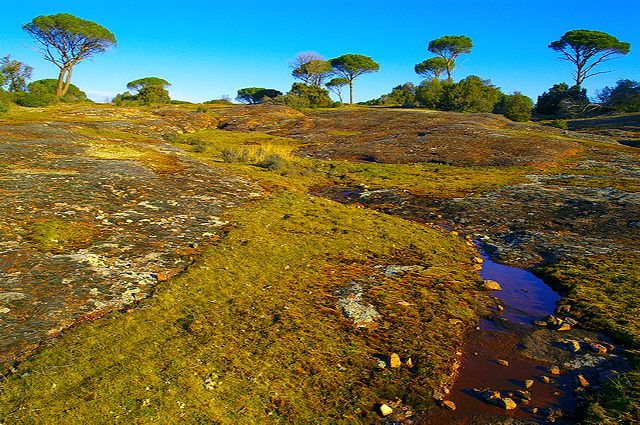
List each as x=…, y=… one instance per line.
x=235, y=155
x=180, y=102
x=403, y=95
x=316, y=96
x=273, y=162
x=625, y=96
x=49, y=86
x=472, y=95
x=561, y=124
x=562, y=101
x=150, y=95
x=35, y=100
x=516, y=107
x=3, y=108
x=201, y=108
x=219, y=102
x=430, y=93
x=172, y=137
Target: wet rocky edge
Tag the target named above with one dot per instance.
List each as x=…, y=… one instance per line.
x=90, y=224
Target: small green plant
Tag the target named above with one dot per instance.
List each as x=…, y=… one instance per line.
x=558, y=123
x=171, y=137
x=3, y=108
x=201, y=108
x=273, y=162
x=234, y=155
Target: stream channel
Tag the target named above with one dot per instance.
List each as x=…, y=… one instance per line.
x=507, y=333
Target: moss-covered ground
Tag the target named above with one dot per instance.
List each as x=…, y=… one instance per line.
x=604, y=292
x=252, y=334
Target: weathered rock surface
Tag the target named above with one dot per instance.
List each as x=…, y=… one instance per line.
x=148, y=206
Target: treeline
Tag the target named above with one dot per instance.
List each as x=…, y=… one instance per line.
x=65, y=40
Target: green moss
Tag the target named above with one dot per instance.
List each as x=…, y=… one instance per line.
x=252, y=334
x=604, y=292
x=58, y=236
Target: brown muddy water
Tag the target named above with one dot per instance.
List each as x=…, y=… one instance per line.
x=507, y=333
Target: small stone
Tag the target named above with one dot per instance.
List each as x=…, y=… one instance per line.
x=554, y=370
x=571, y=321
x=609, y=347
x=4, y=310
x=545, y=379
x=491, y=285
x=551, y=320
x=506, y=403
x=385, y=410
x=598, y=348
x=500, y=307
x=502, y=362
x=454, y=233
x=564, y=327
x=539, y=323
x=490, y=396
x=409, y=362
x=449, y=405
x=582, y=381
x=455, y=321
x=573, y=345
x=563, y=309
x=521, y=394
x=394, y=360
x=478, y=260
x=534, y=410
x=528, y=383
x=381, y=363
x=579, y=390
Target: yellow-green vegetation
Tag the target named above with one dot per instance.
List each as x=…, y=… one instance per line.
x=160, y=162
x=240, y=152
x=345, y=133
x=252, y=333
x=58, y=236
x=621, y=183
x=604, y=292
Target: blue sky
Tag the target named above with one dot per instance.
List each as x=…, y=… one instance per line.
x=207, y=49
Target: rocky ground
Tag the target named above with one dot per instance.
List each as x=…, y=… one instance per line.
x=90, y=223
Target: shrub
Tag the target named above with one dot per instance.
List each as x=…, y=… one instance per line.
x=562, y=124
x=180, y=102
x=172, y=137
x=562, y=101
x=35, y=100
x=49, y=86
x=273, y=162
x=235, y=155
x=201, y=108
x=3, y=108
x=430, y=93
x=316, y=96
x=472, y=95
x=153, y=94
x=625, y=96
x=516, y=107
x=404, y=95
x=219, y=102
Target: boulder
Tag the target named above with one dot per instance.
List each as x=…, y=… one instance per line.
x=491, y=285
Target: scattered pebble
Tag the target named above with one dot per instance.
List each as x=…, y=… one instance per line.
x=491, y=285
x=449, y=405
x=573, y=345
x=545, y=379
x=598, y=348
x=528, y=383
x=506, y=403
x=385, y=410
x=394, y=360
x=554, y=370
x=502, y=362
x=564, y=327
x=582, y=381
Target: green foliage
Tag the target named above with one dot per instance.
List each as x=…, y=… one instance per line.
x=559, y=123
x=218, y=102
x=430, y=93
x=314, y=72
x=125, y=99
x=562, y=100
x=141, y=83
x=149, y=95
x=273, y=162
x=431, y=68
x=317, y=96
x=473, y=94
x=351, y=66
x=586, y=49
x=336, y=84
x=58, y=236
x=403, y=94
x=449, y=48
x=256, y=94
x=180, y=102
x=14, y=74
x=66, y=40
x=48, y=86
x=625, y=96
x=3, y=107
x=516, y=107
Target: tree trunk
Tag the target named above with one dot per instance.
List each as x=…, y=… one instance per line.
x=67, y=82
x=60, y=82
x=351, y=92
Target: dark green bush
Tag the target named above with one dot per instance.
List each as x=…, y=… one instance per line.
x=49, y=86
x=3, y=108
x=562, y=101
x=150, y=95
x=625, y=96
x=35, y=100
x=403, y=95
x=562, y=124
x=430, y=93
x=235, y=155
x=516, y=107
x=219, y=102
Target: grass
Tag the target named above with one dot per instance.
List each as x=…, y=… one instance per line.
x=604, y=291
x=251, y=334
x=239, y=153
x=58, y=236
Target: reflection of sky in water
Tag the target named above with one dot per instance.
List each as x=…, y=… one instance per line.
x=535, y=302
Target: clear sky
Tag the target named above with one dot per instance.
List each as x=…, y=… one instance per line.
x=207, y=49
